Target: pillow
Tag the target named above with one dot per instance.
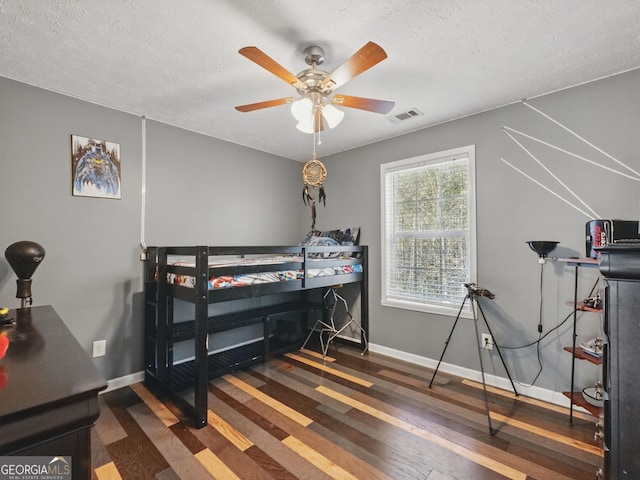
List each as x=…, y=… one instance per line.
x=346, y=236
x=313, y=240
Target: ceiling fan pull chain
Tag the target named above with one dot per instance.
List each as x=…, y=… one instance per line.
x=315, y=143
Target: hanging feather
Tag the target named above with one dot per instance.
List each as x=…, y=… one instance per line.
x=308, y=196
x=313, y=216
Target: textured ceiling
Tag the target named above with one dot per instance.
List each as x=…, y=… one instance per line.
x=177, y=62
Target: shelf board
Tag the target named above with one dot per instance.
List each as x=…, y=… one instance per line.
x=580, y=261
x=186, y=330
x=583, y=308
x=183, y=375
x=579, y=353
x=577, y=399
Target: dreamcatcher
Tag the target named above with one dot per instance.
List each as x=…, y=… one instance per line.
x=313, y=175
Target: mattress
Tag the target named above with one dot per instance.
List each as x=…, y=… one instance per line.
x=245, y=279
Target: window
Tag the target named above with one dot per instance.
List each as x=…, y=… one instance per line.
x=428, y=231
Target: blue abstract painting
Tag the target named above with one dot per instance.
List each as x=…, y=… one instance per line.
x=96, y=168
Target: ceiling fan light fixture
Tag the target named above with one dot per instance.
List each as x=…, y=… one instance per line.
x=302, y=109
x=306, y=124
x=332, y=115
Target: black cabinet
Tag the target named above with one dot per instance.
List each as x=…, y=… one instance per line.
x=620, y=268
x=49, y=400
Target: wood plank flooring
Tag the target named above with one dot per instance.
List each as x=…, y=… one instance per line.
x=346, y=417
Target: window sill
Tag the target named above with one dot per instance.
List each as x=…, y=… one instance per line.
x=423, y=307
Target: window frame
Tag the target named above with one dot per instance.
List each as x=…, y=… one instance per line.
x=429, y=160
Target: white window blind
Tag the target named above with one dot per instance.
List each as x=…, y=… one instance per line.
x=428, y=223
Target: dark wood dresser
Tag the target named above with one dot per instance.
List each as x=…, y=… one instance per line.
x=620, y=267
x=49, y=397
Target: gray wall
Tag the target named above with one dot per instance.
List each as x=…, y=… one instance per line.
x=199, y=190
x=90, y=273
x=202, y=190
x=510, y=210
x=237, y=195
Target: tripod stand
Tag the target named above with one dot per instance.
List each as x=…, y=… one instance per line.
x=473, y=292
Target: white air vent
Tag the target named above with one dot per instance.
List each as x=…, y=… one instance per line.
x=404, y=116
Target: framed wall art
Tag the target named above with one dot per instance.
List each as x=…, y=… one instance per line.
x=95, y=168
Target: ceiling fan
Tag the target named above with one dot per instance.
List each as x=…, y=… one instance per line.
x=315, y=86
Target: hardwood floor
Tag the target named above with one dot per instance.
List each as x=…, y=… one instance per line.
x=349, y=417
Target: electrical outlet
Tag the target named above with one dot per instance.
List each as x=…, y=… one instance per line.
x=487, y=341
x=99, y=348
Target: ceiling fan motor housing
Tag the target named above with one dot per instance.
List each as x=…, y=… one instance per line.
x=314, y=55
x=312, y=79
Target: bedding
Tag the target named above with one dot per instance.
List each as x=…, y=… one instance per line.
x=232, y=261
x=345, y=236
x=330, y=238
x=243, y=280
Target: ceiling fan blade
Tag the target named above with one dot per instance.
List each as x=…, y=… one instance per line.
x=369, y=104
x=365, y=58
x=318, y=124
x=260, y=105
x=265, y=61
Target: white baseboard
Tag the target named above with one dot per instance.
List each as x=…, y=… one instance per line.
x=125, y=381
x=543, y=394
x=538, y=393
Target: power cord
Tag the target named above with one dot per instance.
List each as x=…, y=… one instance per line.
x=540, y=309
x=540, y=335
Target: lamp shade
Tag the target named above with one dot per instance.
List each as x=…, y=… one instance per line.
x=542, y=247
x=306, y=126
x=302, y=109
x=332, y=115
